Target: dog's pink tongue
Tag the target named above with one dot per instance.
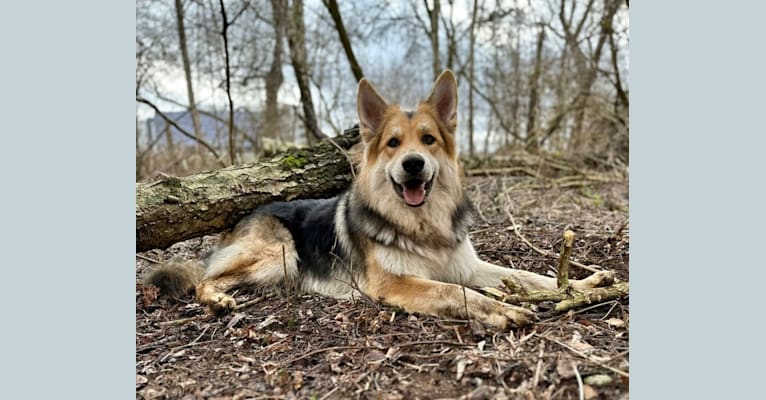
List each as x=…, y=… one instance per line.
x=415, y=196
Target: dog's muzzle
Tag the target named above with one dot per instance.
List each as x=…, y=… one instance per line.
x=417, y=182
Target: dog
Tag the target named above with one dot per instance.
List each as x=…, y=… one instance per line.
x=399, y=235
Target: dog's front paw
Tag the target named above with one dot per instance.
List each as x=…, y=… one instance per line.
x=502, y=315
x=598, y=279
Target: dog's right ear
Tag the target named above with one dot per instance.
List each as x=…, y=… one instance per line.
x=371, y=106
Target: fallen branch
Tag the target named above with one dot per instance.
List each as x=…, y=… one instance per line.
x=517, y=231
x=595, y=295
x=566, y=301
x=565, y=297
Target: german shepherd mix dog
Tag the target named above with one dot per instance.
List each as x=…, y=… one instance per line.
x=399, y=235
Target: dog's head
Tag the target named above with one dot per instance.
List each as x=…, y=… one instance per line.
x=409, y=153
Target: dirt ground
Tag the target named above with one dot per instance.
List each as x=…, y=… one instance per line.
x=292, y=345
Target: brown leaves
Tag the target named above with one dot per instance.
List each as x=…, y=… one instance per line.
x=148, y=293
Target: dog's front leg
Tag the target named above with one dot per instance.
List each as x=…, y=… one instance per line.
x=486, y=274
x=439, y=299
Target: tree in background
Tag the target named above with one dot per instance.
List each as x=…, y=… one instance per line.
x=537, y=75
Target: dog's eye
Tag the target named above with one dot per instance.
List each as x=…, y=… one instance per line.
x=393, y=142
x=428, y=139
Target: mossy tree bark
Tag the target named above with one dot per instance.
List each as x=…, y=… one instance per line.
x=174, y=209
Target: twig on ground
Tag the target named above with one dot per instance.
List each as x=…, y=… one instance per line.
x=190, y=344
x=151, y=260
x=183, y=321
x=582, y=310
x=586, y=357
x=562, y=274
x=499, y=171
x=249, y=303
x=579, y=381
x=515, y=229
x=539, y=366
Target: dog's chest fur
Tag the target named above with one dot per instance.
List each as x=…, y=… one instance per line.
x=447, y=266
x=429, y=251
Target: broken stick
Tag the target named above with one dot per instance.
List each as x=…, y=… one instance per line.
x=565, y=301
x=565, y=298
x=562, y=273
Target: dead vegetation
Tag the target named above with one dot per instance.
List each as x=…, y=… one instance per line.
x=290, y=345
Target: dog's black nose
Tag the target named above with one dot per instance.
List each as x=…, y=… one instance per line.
x=413, y=164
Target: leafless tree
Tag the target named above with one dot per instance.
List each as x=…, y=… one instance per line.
x=332, y=8
x=296, y=39
x=275, y=78
x=534, y=79
x=432, y=31
x=471, y=76
x=540, y=78
x=182, y=43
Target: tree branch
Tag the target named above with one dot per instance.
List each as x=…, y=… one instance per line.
x=182, y=130
x=224, y=33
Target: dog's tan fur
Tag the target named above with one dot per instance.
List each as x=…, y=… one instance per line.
x=418, y=258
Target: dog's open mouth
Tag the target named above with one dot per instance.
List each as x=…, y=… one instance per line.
x=413, y=191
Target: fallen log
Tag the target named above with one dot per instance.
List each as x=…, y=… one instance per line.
x=173, y=209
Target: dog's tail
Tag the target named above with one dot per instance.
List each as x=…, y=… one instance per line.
x=176, y=279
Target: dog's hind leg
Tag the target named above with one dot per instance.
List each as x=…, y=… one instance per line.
x=260, y=252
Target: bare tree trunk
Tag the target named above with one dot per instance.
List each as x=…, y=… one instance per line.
x=332, y=8
x=433, y=14
x=471, y=72
x=187, y=71
x=169, y=138
x=175, y=209
x=621, y=95
x=560, y=109
x=224, y=33
x=579, y=136
x=490, y=128
x=516, y=102
x=532, y=142
x=139, y=157
x=274, y=77
x=451, y=34
x=296, y=40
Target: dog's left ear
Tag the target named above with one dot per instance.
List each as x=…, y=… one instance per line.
x=443, y=97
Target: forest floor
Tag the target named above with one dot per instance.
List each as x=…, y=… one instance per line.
x=293, y=345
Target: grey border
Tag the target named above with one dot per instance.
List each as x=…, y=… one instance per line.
x=697, y=81
x=67, y=166
x=696, y=199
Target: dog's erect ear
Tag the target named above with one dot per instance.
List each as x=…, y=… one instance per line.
x=443, y=97
x=371, y=106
